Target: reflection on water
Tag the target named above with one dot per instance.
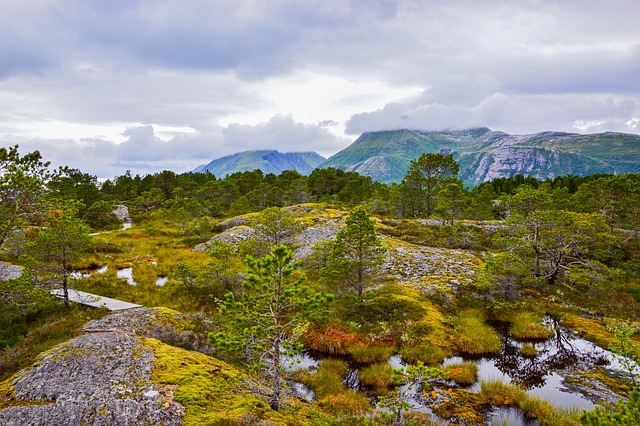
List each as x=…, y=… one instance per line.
x=543, y=375
x=511, y=416
x=126, y=273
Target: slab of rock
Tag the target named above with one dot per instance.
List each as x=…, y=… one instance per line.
x=98, y=378
x=9, y=271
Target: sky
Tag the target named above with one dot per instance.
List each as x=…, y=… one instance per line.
x=151, y=85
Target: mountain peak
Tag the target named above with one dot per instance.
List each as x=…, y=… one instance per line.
x=269, y=161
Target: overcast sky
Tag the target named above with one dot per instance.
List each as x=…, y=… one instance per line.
x=148, y=85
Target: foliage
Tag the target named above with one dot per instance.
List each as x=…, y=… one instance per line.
x=426, y=177
x=626, y=351
x=22, y=180
x=412, y=379
x=268, y=318
x=356, y=254
x=275, y=226
x=100, y=216
x=625, y=413
x=51, y=253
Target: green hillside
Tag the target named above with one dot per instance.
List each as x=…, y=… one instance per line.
x=484, y=154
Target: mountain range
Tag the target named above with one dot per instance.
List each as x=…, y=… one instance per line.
x=269, y=161
x=483, y=154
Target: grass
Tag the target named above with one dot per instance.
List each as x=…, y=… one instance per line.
x=370, y=354
x=53, y=327
x=378, y=376
x=473, y=336
x=532, y=407
x=331, y=393
x=463, y=373
x=528, y=350
x=528, y=326
x=422, y=352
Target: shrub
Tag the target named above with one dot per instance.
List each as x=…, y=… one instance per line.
x=334, y=339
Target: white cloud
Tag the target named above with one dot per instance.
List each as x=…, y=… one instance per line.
x=217, y=77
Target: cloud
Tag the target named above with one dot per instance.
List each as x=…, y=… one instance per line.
x=281, y=132
x=234, y=73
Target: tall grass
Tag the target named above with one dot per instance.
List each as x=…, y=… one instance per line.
x=528, y=326
x=473, y=336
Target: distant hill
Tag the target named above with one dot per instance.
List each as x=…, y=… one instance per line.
x=484, y=154
x=269, y=161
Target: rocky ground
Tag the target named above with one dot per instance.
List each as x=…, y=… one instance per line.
x=101, y=377
x=9, y=271
x=420, y=266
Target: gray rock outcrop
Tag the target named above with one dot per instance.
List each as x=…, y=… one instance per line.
x=98, y=378
x=9, y=271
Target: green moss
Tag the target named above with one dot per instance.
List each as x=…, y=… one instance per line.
x=208, y=389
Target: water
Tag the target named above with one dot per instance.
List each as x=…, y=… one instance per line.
x=126, y=225
x=543, y=375
x=126, y=273
x=103, y=269
x=161, y=281
x=77, y=275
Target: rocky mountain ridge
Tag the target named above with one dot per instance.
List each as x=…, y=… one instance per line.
x=269, y=161
x=484, y=154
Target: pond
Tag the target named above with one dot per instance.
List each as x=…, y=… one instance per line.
x=553, y=373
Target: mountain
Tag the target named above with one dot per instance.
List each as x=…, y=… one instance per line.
x=484, y=154
x=270, y=161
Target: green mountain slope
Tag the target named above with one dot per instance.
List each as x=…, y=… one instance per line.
x=484, y=154
x=269, y=161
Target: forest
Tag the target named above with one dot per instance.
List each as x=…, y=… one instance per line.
x=391, y=298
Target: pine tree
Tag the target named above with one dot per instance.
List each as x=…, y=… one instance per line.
x=356, y=254
x=267, y=319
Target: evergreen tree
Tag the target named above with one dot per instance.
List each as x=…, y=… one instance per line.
x=425, y=178
x=22, y=180
x=356, y=254
x=268, y=319
x=62, y=241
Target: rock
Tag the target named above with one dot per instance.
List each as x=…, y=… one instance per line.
x=122, y=213
x=9, y=271
x=100, y=378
